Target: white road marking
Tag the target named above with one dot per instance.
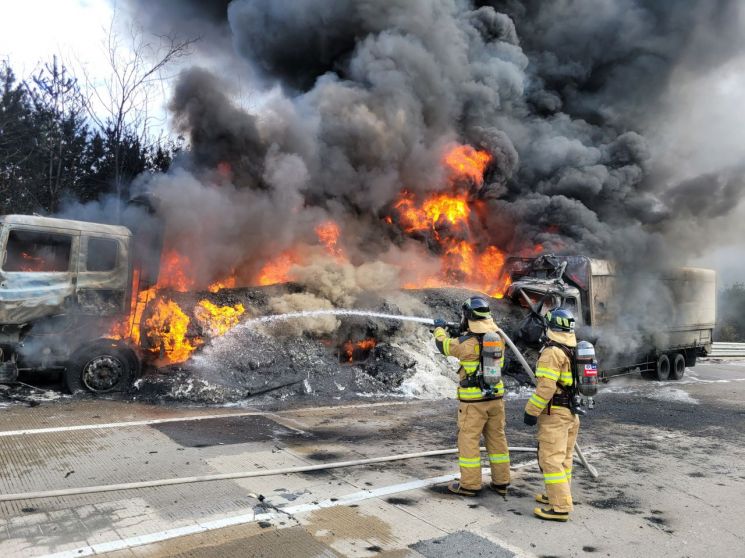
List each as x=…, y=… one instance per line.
x=146, y=422
x=127, y=424
x=204, y=526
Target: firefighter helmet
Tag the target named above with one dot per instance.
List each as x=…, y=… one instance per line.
x=476, y=308
x=560, y=319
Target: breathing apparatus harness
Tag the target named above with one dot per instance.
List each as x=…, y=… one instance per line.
x=579, y=396
x=489, y=372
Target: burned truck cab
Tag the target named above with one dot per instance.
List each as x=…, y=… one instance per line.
x=538, y=284
x=63, y=286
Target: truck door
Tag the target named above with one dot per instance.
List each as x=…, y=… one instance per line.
x=103, y=275
x=37, y=275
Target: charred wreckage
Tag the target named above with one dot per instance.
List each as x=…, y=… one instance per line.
x=78, y=297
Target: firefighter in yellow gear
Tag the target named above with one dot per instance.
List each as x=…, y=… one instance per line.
x=550, y=407
x=481, y=411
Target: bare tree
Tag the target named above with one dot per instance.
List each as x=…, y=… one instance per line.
x=119, y=104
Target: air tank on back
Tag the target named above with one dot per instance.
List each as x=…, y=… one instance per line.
x=587, y=369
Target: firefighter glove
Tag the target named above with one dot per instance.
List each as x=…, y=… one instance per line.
x=530, y=420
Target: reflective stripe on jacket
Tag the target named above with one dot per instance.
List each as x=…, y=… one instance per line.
x=553, y=371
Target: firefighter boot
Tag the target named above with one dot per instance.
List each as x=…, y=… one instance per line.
x=456, y=488
x=500, y=489
x=550, y=515
x=542, y=499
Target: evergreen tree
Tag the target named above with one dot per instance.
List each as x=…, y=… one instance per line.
x=48, y=151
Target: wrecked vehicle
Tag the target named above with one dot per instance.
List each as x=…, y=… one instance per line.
x=658, y=323
x=64, y=286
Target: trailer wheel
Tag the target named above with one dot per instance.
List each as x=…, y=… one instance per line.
x=678, y=368
x=99, y=368
x=690, y=357
x=663, y=368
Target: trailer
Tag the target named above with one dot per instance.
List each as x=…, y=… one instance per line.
x=657, y=322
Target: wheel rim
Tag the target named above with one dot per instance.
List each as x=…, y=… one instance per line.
x=102, y=373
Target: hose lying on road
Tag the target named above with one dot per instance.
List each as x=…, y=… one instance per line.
x=592, y=470
x=229, y=476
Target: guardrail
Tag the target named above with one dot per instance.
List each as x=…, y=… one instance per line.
x=724, y=350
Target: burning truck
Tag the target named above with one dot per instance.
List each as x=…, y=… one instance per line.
x=84, y=299
x=66, y=290
x=98, y=302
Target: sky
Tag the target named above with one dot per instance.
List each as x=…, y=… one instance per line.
x=34, y=30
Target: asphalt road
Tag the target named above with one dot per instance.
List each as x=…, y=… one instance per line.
x=671, y=459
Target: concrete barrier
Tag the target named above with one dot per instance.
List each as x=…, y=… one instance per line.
x=727, y=350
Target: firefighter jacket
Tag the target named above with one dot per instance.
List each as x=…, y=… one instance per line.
x=553, y=373
x=467, y=350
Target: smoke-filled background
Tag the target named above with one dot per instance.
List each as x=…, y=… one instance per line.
x=585, y=107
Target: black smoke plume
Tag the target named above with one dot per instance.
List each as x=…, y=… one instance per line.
x=357, y=100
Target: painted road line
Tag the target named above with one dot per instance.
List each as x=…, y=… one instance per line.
x=201, y=527
x=128, y=424
x=147, y=422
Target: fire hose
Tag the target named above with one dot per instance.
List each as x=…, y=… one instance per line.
x=229, y=476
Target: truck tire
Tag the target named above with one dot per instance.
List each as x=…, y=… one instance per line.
x=100, y=368
x=690, y=357
x=678, y=368
x=663, y=368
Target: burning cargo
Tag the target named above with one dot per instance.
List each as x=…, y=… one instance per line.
x=74, y=298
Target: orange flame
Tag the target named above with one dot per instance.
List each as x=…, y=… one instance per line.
x=278, y=269
x=439, y=208
x=448, y=217
x=166, y=330
x=217, y=320
x=176, y=272
x=364, y=347
x=328, y=234
x=227, y=283
x=465, y=161
x=33, y=263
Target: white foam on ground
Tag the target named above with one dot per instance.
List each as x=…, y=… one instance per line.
x=659, y=391
x=435, y=375
x=673, y=395
x=523, y=392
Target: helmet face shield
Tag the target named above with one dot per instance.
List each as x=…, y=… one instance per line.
x=476, y=308
x=560, y=319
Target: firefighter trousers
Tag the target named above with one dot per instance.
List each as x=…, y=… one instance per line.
x=475, y=419
x=557, y=433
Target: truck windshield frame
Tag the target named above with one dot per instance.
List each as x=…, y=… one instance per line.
x=29, y=251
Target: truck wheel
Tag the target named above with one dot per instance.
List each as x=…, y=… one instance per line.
x=690, y=357
x=663, y=368
x=100, y=368
x=678, y=368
